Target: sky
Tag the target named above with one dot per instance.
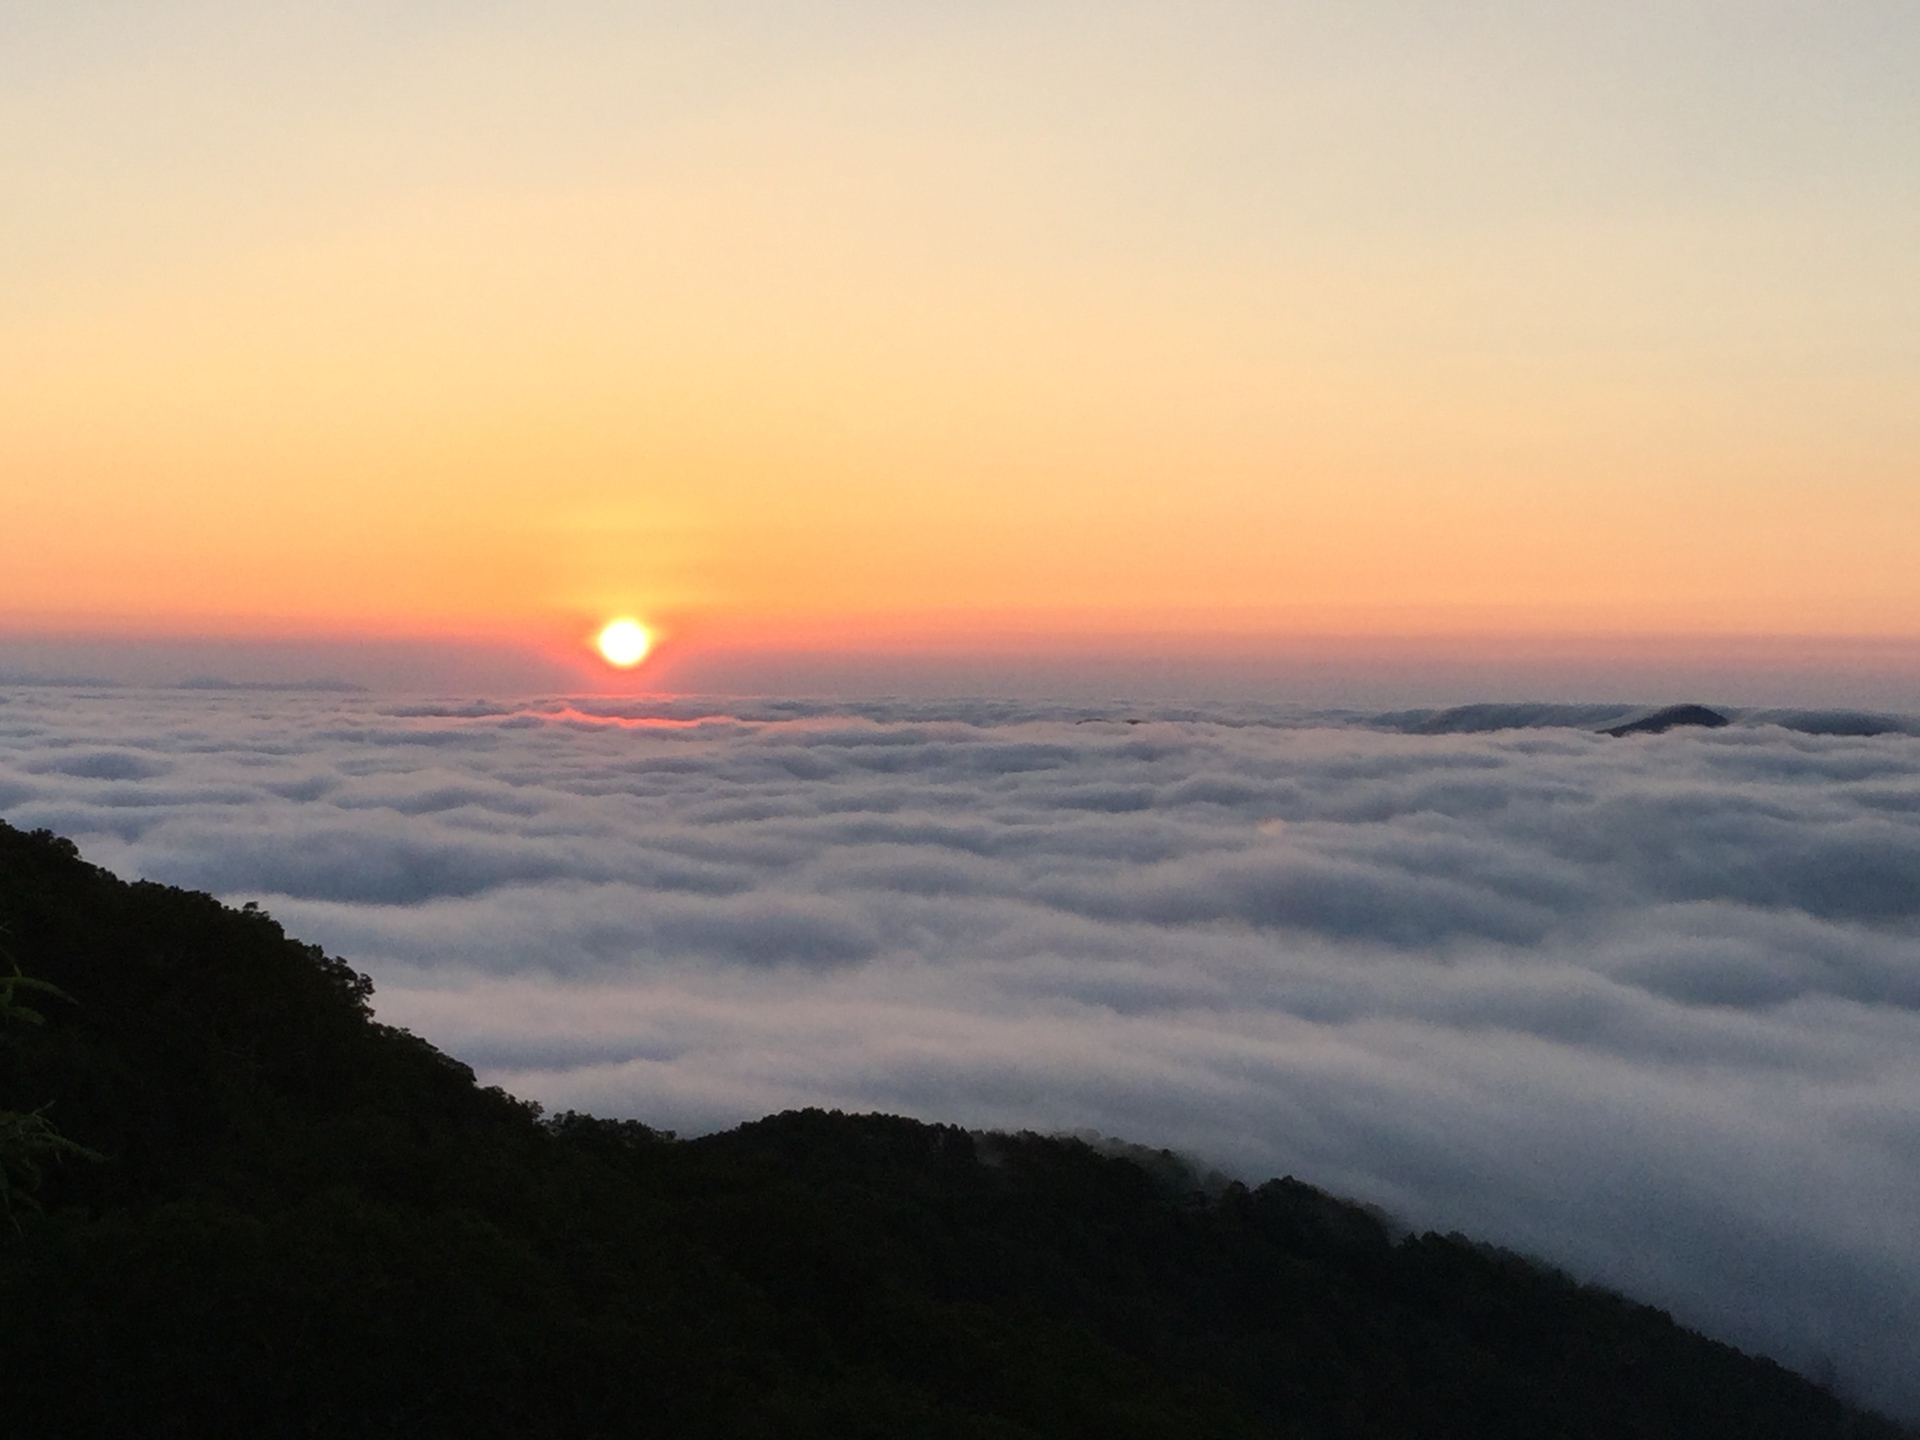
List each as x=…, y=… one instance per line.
x=1646, y=1007
x=1282, y=370
x=912, y=327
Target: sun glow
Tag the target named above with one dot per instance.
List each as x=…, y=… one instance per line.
x=624, y=643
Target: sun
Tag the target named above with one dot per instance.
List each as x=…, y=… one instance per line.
x=624, y=643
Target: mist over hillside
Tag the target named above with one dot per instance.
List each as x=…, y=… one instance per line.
x=1645, y=1005
x=263, y=1213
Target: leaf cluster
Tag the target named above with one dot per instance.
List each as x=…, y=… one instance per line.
x=28, y=1139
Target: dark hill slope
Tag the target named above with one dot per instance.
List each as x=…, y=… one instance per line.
x=311, y=1224
x=1674, y=716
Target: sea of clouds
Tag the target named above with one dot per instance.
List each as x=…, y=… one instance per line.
x=1648, y=1007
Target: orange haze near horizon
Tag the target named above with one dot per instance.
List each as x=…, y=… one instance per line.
x=952, y=331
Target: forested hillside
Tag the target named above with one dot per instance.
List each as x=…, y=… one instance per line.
x=289, y=1220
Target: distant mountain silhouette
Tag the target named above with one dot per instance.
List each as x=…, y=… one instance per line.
x=34, y=679
x=1674, y=716
x=1624, y=719
x=1857, y=724
x=325, y=683
x=1487, y=717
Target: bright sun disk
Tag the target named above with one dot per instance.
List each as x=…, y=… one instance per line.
x=624, y=643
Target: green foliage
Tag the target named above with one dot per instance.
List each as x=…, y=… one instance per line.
x=11, y=1010
x=312, y=1224
x=28, y=1140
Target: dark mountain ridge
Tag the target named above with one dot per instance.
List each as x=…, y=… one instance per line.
x=1672, y=717
x=303, y=1222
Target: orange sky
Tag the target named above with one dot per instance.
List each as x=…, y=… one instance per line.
x=1141, y=319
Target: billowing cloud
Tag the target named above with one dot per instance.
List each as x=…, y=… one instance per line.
x=1647, y=1006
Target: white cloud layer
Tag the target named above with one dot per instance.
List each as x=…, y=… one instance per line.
x=1648, y=1007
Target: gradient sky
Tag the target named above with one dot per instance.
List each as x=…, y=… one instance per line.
x=842, y=319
